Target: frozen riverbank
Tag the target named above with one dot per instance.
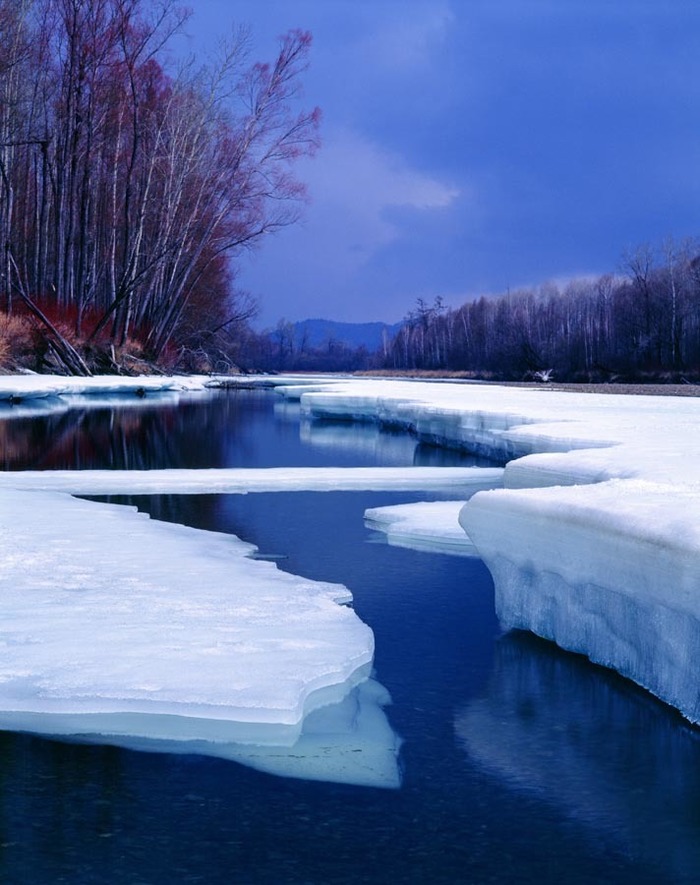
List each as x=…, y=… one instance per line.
x=594, y=542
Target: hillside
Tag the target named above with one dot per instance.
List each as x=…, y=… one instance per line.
x=317, y=333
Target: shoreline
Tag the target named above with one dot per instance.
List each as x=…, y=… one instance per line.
x=613, y=387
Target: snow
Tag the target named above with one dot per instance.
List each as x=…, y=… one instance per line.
x=459, y=480
x=594, y=542
x=122, y=628
x=431, y=526
x=27, y=387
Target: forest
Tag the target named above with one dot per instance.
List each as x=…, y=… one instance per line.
x=130, y=185
x=642, y=323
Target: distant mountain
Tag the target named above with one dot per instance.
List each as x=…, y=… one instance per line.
x=318, y=333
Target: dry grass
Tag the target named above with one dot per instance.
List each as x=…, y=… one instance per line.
x=17, y=342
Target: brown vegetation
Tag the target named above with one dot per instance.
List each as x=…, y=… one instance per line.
x=126, y=190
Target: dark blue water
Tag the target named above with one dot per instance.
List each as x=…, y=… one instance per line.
x=521, y=763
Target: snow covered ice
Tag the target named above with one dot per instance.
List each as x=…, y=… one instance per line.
x=241, y=481
x=594, y=542
x=120, y=628
x=427, y=525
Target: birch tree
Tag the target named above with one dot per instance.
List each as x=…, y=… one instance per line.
x=127, y=191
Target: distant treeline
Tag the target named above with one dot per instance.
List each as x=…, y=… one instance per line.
x=126, y=189
x=642, y=323
x=282, y=350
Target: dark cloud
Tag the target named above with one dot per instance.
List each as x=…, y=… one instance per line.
x=472, y=145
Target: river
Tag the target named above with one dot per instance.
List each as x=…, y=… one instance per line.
x=520, y=763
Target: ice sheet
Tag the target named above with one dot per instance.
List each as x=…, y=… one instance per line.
x=240, y=481
x=610, y=570
x=125, y=628
x=431, y=526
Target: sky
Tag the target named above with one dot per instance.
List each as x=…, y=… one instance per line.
x=471, y=147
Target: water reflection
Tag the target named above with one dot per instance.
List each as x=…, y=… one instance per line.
x=585, y=739
x=341, y=436
x=209, y=430
x=380, y=444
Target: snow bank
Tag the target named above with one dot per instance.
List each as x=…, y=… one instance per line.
x=130, y=629
x=603, y=555
x=26, y=387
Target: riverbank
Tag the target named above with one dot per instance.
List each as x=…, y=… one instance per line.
x=632, y=388
x=594, y=542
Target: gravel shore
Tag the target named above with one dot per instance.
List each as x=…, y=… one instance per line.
x=630, y=389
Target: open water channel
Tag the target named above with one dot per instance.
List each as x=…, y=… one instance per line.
x=520, y=763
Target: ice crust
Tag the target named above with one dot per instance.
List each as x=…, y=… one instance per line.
x=124, y=629
x=595, y=541
x=460, y=480
x=432, y=526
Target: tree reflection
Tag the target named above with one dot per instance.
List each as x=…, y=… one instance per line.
x=122, y=437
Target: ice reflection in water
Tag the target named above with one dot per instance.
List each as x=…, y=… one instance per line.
x=594, y=745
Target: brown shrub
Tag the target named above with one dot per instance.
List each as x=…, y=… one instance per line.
x=17, y=342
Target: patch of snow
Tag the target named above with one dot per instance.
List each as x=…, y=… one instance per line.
x=119, y=627
x=431, y=526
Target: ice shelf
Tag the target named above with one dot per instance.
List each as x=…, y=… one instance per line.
x=458, y=480
x=121, y=628
x=594, y=543
x=431, y=526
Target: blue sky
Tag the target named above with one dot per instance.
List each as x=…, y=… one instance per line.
x=471, y=146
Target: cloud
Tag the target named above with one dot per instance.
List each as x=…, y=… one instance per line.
x=355, y=183
x=409, y=40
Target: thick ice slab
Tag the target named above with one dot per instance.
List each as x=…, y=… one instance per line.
x=240, y=481
x=349, y=742
x=121, y=627
x=431, y=526
x=609, y=570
